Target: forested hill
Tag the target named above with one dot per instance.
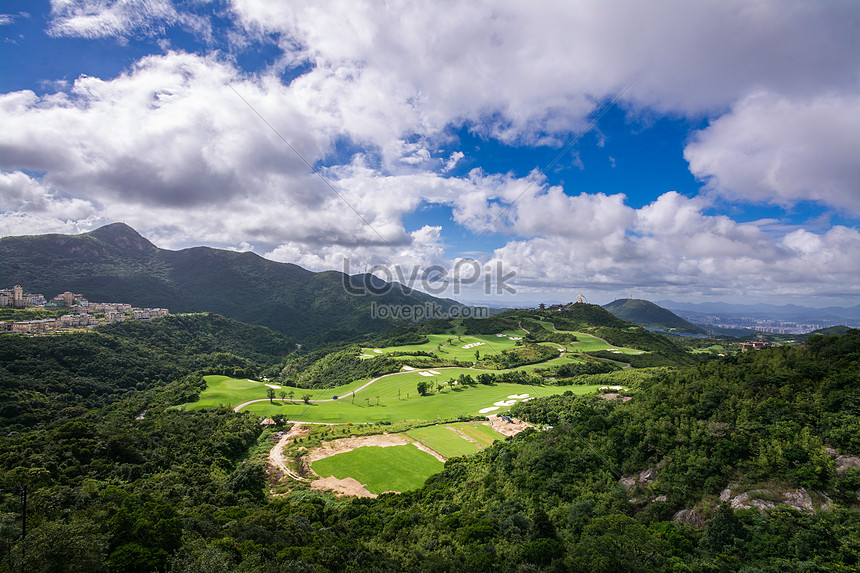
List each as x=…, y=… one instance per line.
x=612, y=486
x=647, y=314
x=53, y=379
x=116, y=264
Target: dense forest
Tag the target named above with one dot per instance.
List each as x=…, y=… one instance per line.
x=115, y=478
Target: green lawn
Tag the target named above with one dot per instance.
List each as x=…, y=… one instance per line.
x=479, y=432
x=445, y=440
x=588, y=343
x=459, y=349
x=223, y=390
x=394, y=468
x=392, y=398
x=439, y=405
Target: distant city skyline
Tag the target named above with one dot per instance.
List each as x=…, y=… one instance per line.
x=658, y=150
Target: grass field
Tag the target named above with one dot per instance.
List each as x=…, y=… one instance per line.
x=394, y=468
x=459, y=349
x=391, y=398
x=449, y=440
x=588, y=343
x=448, y=403
x=394, y=397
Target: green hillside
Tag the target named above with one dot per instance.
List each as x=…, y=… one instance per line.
x=649, y=315
x=830, y=330
x=116, y=264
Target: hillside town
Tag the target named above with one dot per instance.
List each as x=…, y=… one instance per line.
x=80, y=313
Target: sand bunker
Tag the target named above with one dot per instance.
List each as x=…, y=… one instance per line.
x=433, y=372
x=407, y=369
x=378, y=351
x=472, y=345
x=273, y=386
x=425, y=374
x=488, y=410
x=518, y=396
x=505, y=403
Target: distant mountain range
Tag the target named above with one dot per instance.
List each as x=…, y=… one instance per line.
x=768, y=311
x=649, y=315
x=116, y=264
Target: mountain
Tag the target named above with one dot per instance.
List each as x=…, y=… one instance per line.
x=829, y=331
x=769, y=311
x=647, y=314
x=116, y=264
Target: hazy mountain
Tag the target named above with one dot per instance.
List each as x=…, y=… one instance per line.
x=647, y=314
x=763, y=310
x=116, y=264
x=829, y=331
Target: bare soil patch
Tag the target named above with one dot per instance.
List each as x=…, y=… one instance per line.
x=328, y=449
x=613, y=397
x=505, y=428
x=346, y=486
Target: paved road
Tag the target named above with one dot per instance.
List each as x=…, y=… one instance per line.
x=243, y=404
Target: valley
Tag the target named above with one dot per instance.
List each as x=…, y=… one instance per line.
x=533, y=439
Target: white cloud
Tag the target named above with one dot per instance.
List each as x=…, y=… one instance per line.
x=453, y=161
x=671, y=247
x=521, y=70
x=170, y=148
x=772, y=149
x=118, y=18
x=423, y=249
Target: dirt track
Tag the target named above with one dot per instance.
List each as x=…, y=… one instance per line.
x=276, y=455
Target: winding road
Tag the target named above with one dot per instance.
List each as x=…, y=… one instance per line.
x=365, y=385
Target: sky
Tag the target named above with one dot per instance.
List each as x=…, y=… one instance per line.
x=495, y=152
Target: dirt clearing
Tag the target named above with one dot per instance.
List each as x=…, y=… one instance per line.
x=505, y=428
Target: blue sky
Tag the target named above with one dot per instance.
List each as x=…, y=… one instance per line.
x=727, y=170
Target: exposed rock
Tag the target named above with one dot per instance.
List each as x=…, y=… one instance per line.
x=739, y=501
x=846, y=462
x=628, y=481
x=799, y=499
x=647, y=475
x=661, y=498
x=726, y=495
x=842, y=462
x=689, y=516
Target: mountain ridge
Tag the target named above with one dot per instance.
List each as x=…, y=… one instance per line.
x=116, y=263
x=649, y=315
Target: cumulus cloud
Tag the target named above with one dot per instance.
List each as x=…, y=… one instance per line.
x=169, y=132
x=170, y=147
x=521, y=70
x=672, y=247
x=772, y=149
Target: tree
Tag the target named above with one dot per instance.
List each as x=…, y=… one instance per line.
x=724, y=533
x=292, y=393
x=477, y=355
x=307, y=398
x=270, y=392
x=422, y=388
x=283, y=396
x=377, y=399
